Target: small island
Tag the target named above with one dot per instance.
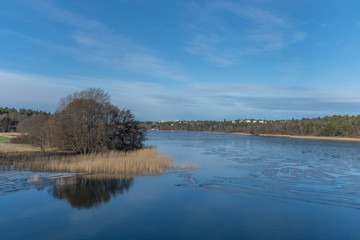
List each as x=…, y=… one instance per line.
x=86, y=134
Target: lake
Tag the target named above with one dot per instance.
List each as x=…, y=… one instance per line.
x=247, y=187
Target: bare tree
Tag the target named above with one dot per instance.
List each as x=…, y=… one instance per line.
x=39, y=132
x=87, y=122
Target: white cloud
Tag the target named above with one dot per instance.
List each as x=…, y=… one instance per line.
x=32, y=91
x=93, y=42
x=44, y=92
x=151, y=101
x=252, y=14
x=245, y=29
x=205, y=45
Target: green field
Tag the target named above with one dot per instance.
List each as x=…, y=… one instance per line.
x=4, y=139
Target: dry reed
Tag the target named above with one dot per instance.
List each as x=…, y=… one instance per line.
x=35, y=178
x=10, y=134
x=22, y=148
x=140, y=162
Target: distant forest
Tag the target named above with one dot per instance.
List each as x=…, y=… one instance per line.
x=345, y=126
x=12, y=120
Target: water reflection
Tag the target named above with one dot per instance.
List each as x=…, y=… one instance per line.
x=90, y=190
x=12, y=181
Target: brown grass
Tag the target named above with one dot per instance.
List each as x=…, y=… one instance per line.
x=10, y=134
x=35, y=178
x=23, y=148
x=140, y=162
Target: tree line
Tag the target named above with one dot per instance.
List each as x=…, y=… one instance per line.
x=84, y=122
x=11, y=119
x=344, y=126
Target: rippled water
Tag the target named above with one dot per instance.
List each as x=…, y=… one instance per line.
x=248, y=187
x=325, y=172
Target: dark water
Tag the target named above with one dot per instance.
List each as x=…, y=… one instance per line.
x=248, y=187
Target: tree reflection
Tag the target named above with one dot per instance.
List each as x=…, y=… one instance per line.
x=91, y=190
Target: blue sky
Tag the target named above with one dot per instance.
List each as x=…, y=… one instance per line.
x=194, y=60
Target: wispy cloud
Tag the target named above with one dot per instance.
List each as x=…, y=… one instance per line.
x=32, y=91
x=68, y=17
x=313, y=105
x=147, y=100
x=153, y=101
x=44, y=92
x=205, y=45
x=92, y=41
x=248, y=28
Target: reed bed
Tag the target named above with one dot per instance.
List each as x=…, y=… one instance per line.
x=140, y=162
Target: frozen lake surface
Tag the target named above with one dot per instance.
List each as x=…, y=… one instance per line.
x=248, y=187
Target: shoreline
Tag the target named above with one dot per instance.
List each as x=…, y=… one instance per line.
x=349, y=139
x=333, y=138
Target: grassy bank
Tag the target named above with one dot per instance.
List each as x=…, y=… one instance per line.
x=306, y=137
x=4, y=139
x=140, y=162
